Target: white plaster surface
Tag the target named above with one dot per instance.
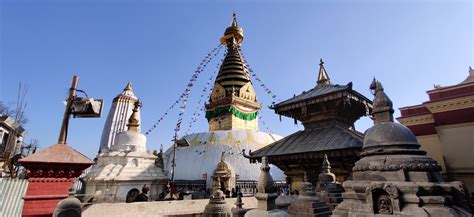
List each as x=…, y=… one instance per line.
x=205, y=151
x=117, y=119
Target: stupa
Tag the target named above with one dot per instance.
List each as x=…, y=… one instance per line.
x=232, y=114
x=127, y=167
x=267, y=193
x=217, y=206
x=307, y=203
x=394, y=177
x=328, y=189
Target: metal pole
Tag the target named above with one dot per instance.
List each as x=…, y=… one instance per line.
x=72, y=93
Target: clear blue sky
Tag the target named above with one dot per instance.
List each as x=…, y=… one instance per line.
x=407, y=45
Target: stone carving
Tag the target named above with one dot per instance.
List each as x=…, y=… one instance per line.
x=328, y=190
x=238, y=210
x=307, y=203
x=217, y=206
x=266, y=195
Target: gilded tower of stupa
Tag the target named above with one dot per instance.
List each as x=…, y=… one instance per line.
x=233, y=103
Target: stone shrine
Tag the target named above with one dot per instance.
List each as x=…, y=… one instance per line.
x=328, y=189
x=217, y=206
x=394, y=177
x=307, y=204
x=267, y=193
x=125, y=168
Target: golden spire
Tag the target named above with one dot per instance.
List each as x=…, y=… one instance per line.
x=323, y=77
x=128, y=87
x=133, y=122
x=234, y=20
x=234, y=34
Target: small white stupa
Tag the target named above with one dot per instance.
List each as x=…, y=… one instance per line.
x=120, y=173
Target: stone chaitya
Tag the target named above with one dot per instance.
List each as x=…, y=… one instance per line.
x=125, y=168
x=307, y=203
x=267, y=193
x=328, y=113
x=238, y=210
x=395, y=177
x=328, y=189
x=217, y=206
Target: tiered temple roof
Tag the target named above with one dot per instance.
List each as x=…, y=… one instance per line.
x=328, y=112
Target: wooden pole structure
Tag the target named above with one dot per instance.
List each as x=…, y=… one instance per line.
x=67, y=112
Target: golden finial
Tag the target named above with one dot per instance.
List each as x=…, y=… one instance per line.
x=323, y=77
x=128, y=87
x=233, y=34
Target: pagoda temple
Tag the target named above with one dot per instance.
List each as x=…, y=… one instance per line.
x=232, y=114
x=327, y=112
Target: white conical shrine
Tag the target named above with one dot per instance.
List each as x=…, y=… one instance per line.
x=117, y=120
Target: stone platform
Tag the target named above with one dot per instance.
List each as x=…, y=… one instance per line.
x=180, y=208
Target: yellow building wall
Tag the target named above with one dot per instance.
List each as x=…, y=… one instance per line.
x=457, y=143
x=432, y=146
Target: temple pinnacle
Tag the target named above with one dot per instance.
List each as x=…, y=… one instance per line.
x=323, y=77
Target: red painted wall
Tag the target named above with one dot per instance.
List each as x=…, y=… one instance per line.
x=43, y=194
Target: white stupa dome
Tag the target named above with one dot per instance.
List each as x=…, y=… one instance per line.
x=205, y=150
x=130, y=141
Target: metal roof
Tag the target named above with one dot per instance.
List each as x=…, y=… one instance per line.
x=316, y=92
x=321, y=91
x=12, y=191
x=323, y=138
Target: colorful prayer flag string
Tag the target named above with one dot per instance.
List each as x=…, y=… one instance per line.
x=183, y=97
x=261, y=84
x=190, y=85
x=265, y=124
x=200, y=108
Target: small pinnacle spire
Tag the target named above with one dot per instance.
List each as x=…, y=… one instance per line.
x=265, y=182
x=234, y=20
x=128, y=87
x=133, y=122
x=382, y=105
x=326, y=164
x=222, y=156
x=238, y=202
x=323, y=77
